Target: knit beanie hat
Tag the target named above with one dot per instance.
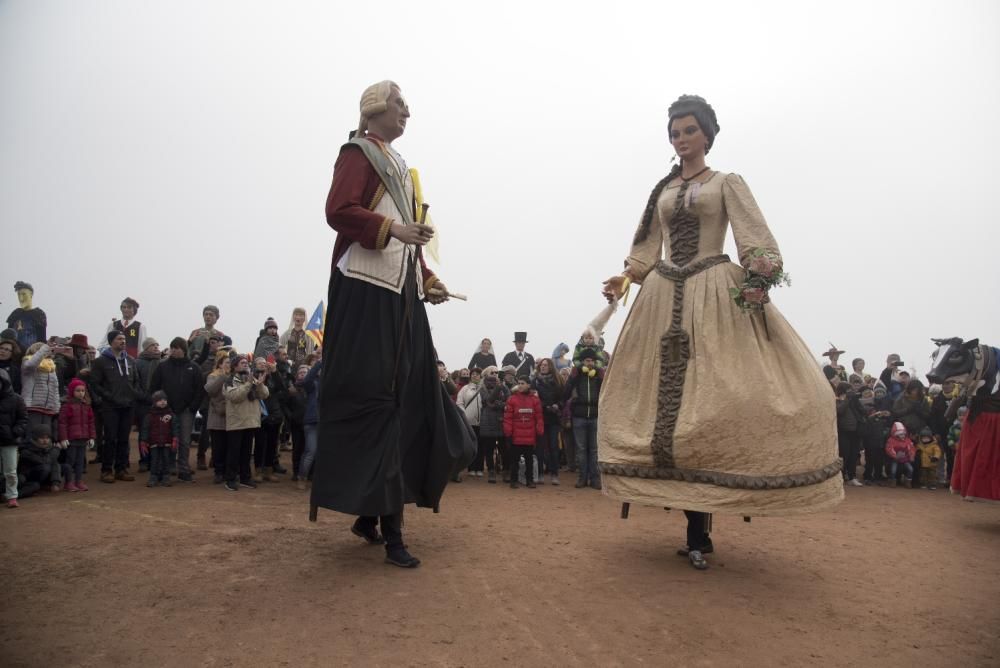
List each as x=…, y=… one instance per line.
x=269, y=323
x=73, y=384
x=159, y=394
x=588, y=353
x=898, y=428
x=41, y=431
x=114, y=334
x=149, y=342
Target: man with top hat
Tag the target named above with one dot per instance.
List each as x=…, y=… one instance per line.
x=388, y=433
x=28, y=321
x=135, y=331
x=523, y=363
x=834, y=372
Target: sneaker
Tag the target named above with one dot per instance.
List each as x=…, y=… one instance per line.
x=932, y=487
x=853, y=482
x=124, y=476
x=400, y=557
x=596, y=486
x=166, y=482
x=514, y=484
x=12, y=503
x=697, y=560
x=248, y=483
x=107, y=476
x=279, y=469
x=55, y=487
x=231, y=486
x=151, y=483
x=185, y=477
x=370, y=536
x=479, y=474
x=580, y=484
x=555, y=480
x=82, y=487
x=70, y=487
x=531, y=484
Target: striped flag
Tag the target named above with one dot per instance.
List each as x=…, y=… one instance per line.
x=314, y=328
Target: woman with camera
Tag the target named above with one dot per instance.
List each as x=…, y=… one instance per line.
x=243, y=392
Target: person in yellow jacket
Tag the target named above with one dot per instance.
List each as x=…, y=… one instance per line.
x=930, y=455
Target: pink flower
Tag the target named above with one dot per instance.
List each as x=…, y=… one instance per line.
x=763, y=266
x=754, y=295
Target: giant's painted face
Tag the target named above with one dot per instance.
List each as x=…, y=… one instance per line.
x=952, y=360
x=24, y=296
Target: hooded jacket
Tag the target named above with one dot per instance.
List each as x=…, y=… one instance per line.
x=899, y=448
x=491, y=412
x=39, y=389
x=182, y=381
x=522, y=419
x=115, y=380
x=13, y=413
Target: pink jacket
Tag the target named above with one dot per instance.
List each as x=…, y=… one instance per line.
x=900, y=449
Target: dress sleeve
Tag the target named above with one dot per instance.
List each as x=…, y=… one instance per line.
x=347, y=211
x=646, y=253
x=749, y=227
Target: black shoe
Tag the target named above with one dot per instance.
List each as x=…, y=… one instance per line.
x=218, y=479
x=456, y=478
x=371, y=537
x=400, y=557
x=513, y=484
x=231, y=486
x=166, y=482
x=531, y=484
x=708, y=549
x=493, y=478
x=279, y=469
x=580, y=484
x=248, y=483
x=185, y=477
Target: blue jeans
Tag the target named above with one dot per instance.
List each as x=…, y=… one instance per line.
x=309, y=454
x=906, y=466
x=585, y=434
x=181, y=458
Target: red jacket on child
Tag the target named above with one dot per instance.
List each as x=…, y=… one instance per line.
x=76, y=421
x=900, y=449
x=523, y=421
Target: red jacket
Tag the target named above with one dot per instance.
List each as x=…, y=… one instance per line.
x=900, y=449
x=523, y=420
x=76, y=421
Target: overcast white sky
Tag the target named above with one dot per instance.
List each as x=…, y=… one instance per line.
x=181, y=153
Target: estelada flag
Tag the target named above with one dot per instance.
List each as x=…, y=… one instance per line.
x=314, y=328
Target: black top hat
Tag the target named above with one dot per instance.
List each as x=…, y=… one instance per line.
x=520, y=337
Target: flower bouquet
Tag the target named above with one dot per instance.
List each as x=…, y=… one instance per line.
x=763, y=273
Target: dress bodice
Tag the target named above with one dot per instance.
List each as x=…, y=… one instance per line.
x=690, y=222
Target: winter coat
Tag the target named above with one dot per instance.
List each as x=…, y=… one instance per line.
x=13, y=369
x=274, y=401
x=216, y=419
x=549, y=394
x=145, y=366
x=491, y=413
x=310, y=385
x=76, y=421
x=115, y=381
x=930, y=453
x=900, y=449
x=266, y=347
x=849, y=415
x=911, y=412
x=13, y=413
x=159, y=427
x=39, y=389
x=482, y=360
x=38, y=463
x=588, y=391
x=242, y=410
x=523, y=422
x=471, y=402
x=182, y=381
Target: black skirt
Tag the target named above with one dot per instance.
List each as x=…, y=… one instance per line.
x=388, y=432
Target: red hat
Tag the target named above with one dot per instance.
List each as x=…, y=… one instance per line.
x=73, y=384
x=79, y=341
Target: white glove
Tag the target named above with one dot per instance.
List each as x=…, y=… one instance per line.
x=90, y=443
x=64, y=445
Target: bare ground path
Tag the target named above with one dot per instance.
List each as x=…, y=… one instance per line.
x=192, y=575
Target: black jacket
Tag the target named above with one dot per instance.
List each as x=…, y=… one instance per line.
x=550, y=394
x=115, y=381
x=13, y=414
x=588, y=390
x=912, y=413
x=182, y=381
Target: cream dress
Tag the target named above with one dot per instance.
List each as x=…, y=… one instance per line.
x=706, y=407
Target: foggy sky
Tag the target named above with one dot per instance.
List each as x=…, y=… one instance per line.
x=181, y=153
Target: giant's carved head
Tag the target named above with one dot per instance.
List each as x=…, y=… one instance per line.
x=953, y=360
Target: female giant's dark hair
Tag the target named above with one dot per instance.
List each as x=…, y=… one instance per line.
x=685, y=105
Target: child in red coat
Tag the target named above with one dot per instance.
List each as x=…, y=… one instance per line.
x=523, y=423
x=76, y=432
x=900, y=452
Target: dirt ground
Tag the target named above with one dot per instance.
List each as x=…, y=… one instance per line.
x=196, y=576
